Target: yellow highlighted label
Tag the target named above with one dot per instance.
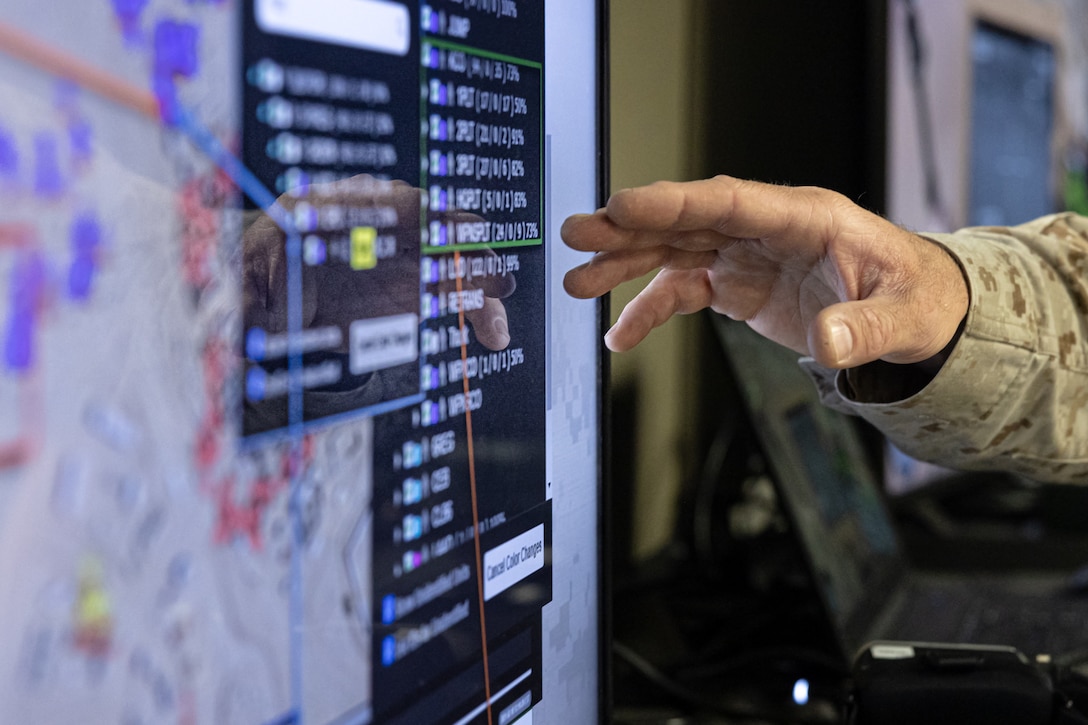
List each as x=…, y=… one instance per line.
x=364, y=253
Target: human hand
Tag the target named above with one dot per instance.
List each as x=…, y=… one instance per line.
x=805, y=267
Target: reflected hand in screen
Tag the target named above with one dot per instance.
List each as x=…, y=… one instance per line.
x=341, y=282
x=805, y=267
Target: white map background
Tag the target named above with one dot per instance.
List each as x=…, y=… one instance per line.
x=129, y=594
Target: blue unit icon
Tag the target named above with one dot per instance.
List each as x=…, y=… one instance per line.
x=413, y=491
x=412, y=453
x=413, y=527
x=389, y=608
x=256, y=380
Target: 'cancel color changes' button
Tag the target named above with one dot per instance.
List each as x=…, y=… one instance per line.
x=513, y=560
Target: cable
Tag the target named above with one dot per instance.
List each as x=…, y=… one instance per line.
x=707, y=490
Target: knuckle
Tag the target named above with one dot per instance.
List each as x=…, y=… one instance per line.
x=877, y=330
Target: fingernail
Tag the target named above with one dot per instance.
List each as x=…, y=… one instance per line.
x=608, y=339
x=842, y=341
x=501, y=330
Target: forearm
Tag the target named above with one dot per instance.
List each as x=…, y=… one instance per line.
x=1013, y=392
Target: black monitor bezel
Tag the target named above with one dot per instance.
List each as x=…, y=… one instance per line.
x=604, y=477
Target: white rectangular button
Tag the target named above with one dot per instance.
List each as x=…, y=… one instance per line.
x=383, y=342
x=376, y=25
x=510, y=562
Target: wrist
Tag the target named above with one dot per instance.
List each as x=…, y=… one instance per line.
x=953, y=299
x=932, y=365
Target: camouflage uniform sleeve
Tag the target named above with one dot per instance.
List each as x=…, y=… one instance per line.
x=1013, y=393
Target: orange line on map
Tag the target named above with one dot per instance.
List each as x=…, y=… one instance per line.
x=33, y=51
x=472, y=484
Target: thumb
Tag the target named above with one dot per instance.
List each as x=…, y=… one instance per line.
x=849, y=334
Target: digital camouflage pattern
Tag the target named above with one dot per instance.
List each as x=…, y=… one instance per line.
x=1013, y=392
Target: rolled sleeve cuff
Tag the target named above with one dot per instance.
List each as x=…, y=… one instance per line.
x=994, y=404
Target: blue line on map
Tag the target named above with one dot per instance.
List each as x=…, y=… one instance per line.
x=252, y=187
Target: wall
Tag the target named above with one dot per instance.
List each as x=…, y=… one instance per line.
x=788, y=91
x=944, y=29
x=654, y=125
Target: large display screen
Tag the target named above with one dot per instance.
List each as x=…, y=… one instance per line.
x=296, y=422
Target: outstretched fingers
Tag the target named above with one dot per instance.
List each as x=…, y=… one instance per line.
x=606, y=270
x=598, y=233
x=671, y=292
x=732, y=207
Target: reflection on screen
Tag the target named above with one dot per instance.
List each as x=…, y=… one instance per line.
x=849, y=532
x=282, y=367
